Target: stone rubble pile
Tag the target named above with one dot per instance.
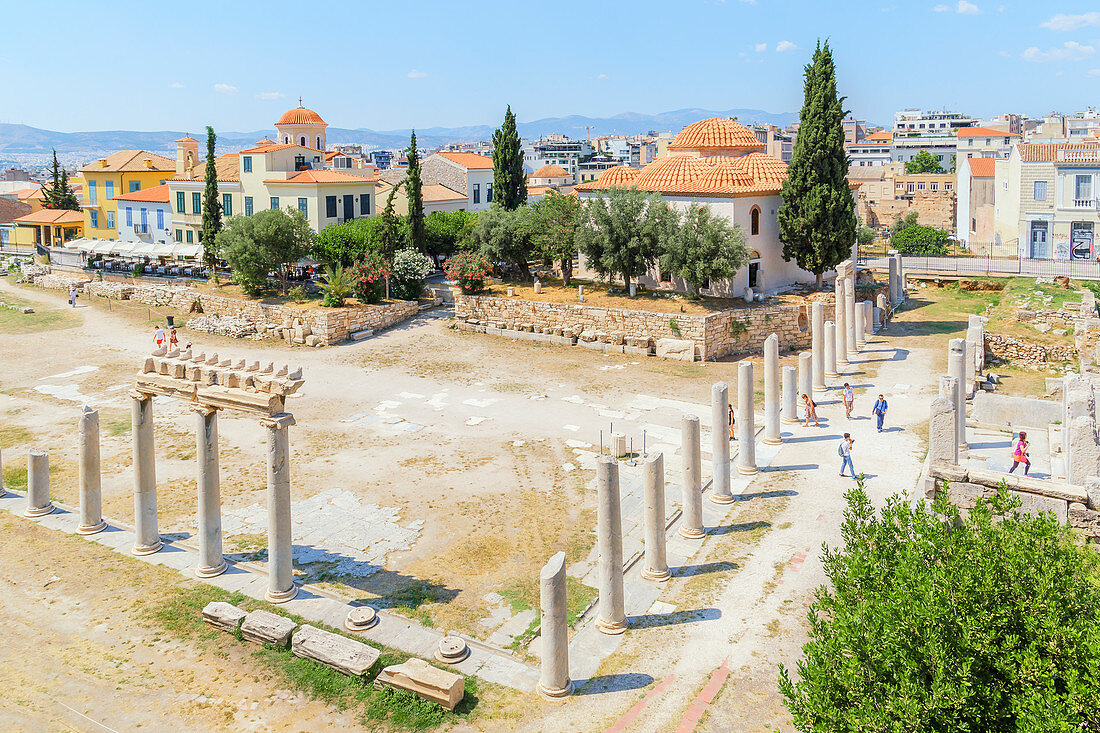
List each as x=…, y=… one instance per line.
x=1028, y=354
x=223, y=325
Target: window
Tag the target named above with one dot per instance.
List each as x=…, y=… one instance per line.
x=94, y=218
x=1040, y=190
x=190, y=236
x=248, y=206
x=973, y=224
x=988, y=141
x=92, y=198
x=129, y=216
x=109, y=189
x=477, y=193
x=939, y=158
x=330, y=206
x=909, y=188
x=196, y=203
x=1082, y=187
x=227, y=204
x=110, y=220
x=920, y=186
x=488, y=193
x=135, y=186
x=934, y=186
x=200, y=236
x=246, y=161
x=665, y=277
x=144, y=220
x=302, y=141
x=754, y=221
x=180, y=207
x=948, y=186
x=160, y=220
x=364, y=204
x=303, y=206
x=179, y=235
x=318, y=142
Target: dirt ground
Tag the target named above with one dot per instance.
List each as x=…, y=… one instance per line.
x=465, y=443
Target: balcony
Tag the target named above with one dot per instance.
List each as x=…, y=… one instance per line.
x=1080, y=155
x=1085, y=204
x=141, y=228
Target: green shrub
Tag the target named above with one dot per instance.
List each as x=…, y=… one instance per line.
x=297, y=294
x=469, y=270
x=336, y=287
x=409, y=270
x=921, y=240
x=368, y=278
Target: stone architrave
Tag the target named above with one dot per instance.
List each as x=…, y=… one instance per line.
x=347, y=656
x=746, y=420
x=850, y=315
x=830, y=349
x=38, y=484
x=817, y=344
x=691, y=519
x=426, y=681
x=720, y=444
x=147, y=536
x=655, y=564
x=956, y=367
x=91, y=496
x=892, y=263
x=868, y=320
x=554, y=679
x=790, y=395
x=949, y=387
x=609, y=536
x=859, y=329
x=211, y=562
x=280, y=575
x=942, y=446
x=772, y=435
x=805, y=378
x=841, y=343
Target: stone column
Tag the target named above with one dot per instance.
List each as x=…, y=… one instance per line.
x=850, y=315
x=655, y=564
x=720, y=444
x=746, y=420
x=956, y=367
x=691, y=520
x=91, y=497
x=880, y=303
x=790, y=396
x=38, y=484
x=830, y=349
x=554, y=679
x=609, y=537
x=2, y=492
x=147, y=536
x=901, y=275
x=817, y=344
x=892, y=263
x=805, y=380
x=211, y=562
x=859, y=329
x=868, y=320
x=841, y=344
x=949, y=387
x=772, y=434
x=280, y=576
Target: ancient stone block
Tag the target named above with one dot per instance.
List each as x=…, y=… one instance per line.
x=426, y=681
x=224, y=616
x=265, y=627
x=345, y=655
x=678, y=349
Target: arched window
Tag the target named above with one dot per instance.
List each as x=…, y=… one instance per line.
x=302, y=141
x=318, y=142
x=286, y=139
x=754, y=220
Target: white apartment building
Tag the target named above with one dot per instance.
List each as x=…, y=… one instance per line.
x=145, y=216
x=985, y=142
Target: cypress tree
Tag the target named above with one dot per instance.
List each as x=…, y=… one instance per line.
x=817, y=220
x=65, y=196
x=50, y=193
x=211, y=204
x=416, y=197
x=509, y=183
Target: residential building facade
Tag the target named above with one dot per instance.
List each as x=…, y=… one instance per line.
x=985, y=142
x=145, y=216
x=450, y=181
x=123, y=172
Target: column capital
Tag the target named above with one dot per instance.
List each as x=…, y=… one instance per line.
x=139, y=395
x=278, y=422
x=205, y=410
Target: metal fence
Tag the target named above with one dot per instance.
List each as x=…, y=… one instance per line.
x=990, y=266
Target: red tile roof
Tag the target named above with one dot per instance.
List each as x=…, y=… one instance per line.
x=715, y=132
x=1048, y=152
x=131, y=161
x=982, y=167
x=321, y=176
x=681, y=174
x=300, y=116
x=551, y=171
x=985, y=132
x=472, y=161
x=619, y=176
x=52, y=216
x=156, y=194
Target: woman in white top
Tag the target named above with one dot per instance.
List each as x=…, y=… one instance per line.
x=849, y=397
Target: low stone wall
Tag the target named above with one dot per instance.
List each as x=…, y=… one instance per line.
x=714, y=335
x=1015, y=412
x=1010, y=348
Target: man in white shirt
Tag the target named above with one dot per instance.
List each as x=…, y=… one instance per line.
x=844, y=450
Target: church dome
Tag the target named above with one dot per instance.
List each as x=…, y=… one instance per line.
x=715, y=133
x=300, y=116
x=671, y=174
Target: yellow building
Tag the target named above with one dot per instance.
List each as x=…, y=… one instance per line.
x=48, y=227
x=122, y=172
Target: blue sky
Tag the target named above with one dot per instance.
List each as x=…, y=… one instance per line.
x=385, y=65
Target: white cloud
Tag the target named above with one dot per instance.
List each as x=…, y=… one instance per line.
x=269, y=95
x=225, y=89
x=175, y=85
x=1003, y=53
x=1064, y=22
x=941, y=8
x=785, y=46
x=760, y=47
x=601, y=76
x=965, y=8
x=414, y=74
x=1093, y=72
x=1069, y=51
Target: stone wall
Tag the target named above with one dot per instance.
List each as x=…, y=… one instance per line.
x=1027, y=353
x=715, y=334
x=1014, y=412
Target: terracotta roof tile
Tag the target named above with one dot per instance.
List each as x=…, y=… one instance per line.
x=982, y=167
x=715, y=132
x=321, y=176
x=155, y=194
x=619, y=176
x=551, y=171
x=52, y=216
x=131, y=161
x=1048, y=152
x=680, y=174
x=9, y=210
x=300, y=116
x=984, y=132
x=671, y=174
x=228, y=167
x=473, y=161
x=439, y=192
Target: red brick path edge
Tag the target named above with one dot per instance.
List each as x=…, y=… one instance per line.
x=703, y=700
x=631, y=715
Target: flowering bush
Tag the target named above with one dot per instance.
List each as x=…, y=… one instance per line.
x=469, y=270
x=409, y=270
x=368, y=278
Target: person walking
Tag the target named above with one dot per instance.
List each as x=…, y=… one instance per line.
x=158, y=336
x=732, y=420
x=844, y=450
x=1020, y=454
x=811, y=411
x=849, y=397
x=173, y=339
x=72, y=296
x=879, y=411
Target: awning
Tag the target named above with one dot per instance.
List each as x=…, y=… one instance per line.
x=83, y=244
x=103, y=247
x=187, y=250
x=144, y=249
x=122, y=248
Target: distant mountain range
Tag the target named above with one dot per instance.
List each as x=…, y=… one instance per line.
x=25, y=142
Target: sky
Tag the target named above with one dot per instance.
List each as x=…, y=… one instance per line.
x=391, y=65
